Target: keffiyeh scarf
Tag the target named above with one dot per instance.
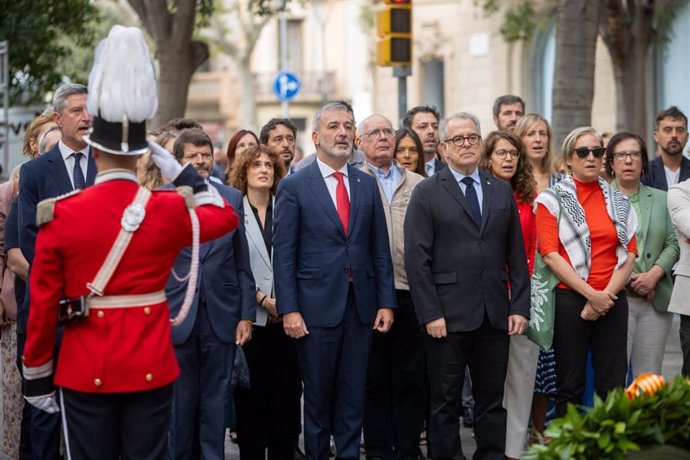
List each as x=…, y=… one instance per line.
x=561, y=200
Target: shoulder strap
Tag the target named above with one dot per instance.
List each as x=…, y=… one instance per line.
x=131, y=219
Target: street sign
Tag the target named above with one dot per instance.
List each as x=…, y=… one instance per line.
x=286, y=86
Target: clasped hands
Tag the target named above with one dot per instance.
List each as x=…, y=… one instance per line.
x=598, y=304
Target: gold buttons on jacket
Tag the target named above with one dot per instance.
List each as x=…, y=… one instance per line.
x=149, y=377
x=97, y=382
x=147, y=310
x=100, y=314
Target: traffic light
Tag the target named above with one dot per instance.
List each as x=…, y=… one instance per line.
x=394, y=27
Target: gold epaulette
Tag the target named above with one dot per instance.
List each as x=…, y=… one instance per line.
x=45, y=211
x=188, y=194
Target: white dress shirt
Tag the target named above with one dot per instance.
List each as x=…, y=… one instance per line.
x=332, y=182
x=66, y=153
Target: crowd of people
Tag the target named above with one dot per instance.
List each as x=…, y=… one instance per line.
x=384, y=280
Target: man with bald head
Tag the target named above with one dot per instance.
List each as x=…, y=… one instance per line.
x=395, y=405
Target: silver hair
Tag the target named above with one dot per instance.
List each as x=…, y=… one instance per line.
x=568, y=146
x=316, y=120
x=443, y=126
x=42, y=141
x=363, y=124
x=65, y=91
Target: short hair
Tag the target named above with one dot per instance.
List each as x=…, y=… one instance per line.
x=232, y=148
x=507, y=99
x=243, y=161
x=409, y=115
x=443, y=126
x=191, y=136
x=65, y=91
x=180, y=124
x=32, y=131
x=523, y=126
x=673, y=113
x=334, y=105
x=568, y=147
x=522, y=182
x=44, y=138
x=272, y=124
x=617, y=139
x=365, y=122
x=409, y=132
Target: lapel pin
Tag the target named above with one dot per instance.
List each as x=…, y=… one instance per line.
x=358, y=179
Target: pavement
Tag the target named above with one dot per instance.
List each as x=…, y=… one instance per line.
x=673, y=361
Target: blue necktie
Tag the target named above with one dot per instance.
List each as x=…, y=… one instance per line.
x=471, y=196
x=78, y=174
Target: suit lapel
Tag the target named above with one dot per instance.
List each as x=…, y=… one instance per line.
x=645, y=197
x=487, y=192
x=253, y=231
x=317, y=184
x=355, y=195
x=91, y=169
x=449, y=183
x=58, y=170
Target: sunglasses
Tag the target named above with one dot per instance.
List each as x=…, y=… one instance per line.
x=583, y=152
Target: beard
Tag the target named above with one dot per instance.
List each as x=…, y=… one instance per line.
x=673, y=148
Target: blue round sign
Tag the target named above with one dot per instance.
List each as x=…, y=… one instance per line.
x=286, y=86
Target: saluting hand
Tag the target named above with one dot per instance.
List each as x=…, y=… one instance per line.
x=437, y=328
x=294, y=326
x=384, y=319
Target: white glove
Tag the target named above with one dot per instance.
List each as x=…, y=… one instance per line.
x=167, y=163
x=45, y=403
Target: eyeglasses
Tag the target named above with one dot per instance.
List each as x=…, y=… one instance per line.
x=387, y=132
x=502, y=154
x=622, y=156
x=459, y=141
x=583, y=152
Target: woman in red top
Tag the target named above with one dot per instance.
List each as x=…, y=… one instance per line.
x=586, y=232
x=504, y=157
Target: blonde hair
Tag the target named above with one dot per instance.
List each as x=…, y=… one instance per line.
x=32, y=133
x=523, y=126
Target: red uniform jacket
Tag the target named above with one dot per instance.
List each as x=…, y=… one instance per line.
x=112, y=350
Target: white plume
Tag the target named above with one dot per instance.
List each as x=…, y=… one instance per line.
x=122, y=80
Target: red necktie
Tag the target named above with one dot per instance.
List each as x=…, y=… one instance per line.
x=342, y=201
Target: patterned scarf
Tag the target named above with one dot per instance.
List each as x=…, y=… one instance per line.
x=561, y=200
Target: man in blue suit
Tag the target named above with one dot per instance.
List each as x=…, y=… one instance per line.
x=220, y=318
x=66, y=167
x=671, y=167
x=333, y=281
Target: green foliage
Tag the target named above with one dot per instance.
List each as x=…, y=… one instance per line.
x=664, y=14
x=519, y=21
x=40, y=35
x=617, y=426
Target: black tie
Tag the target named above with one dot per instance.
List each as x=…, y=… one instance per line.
x=471, y=196
x=78, y=175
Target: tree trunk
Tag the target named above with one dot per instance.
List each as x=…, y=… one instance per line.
x=577, y=23
x=628, y=30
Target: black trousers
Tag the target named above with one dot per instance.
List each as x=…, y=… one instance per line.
x=269, y=414
x=606, y=337
x=125, y=426
x=485, y=350
x=396, y=398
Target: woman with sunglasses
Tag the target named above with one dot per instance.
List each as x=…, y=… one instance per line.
x=504, y=157
x=586, y=236
x=649, y=289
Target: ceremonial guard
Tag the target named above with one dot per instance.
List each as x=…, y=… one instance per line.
x=103, y=256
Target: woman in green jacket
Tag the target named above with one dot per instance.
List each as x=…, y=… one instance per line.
x=650, y=286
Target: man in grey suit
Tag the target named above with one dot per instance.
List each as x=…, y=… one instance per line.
x=220, y=318
x=463, y=246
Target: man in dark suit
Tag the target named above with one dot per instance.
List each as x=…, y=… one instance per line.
x=220, y=318
x=333, y=281
x=66, y=167
x=424, y=120
x=671, y=135
x=463, y=246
